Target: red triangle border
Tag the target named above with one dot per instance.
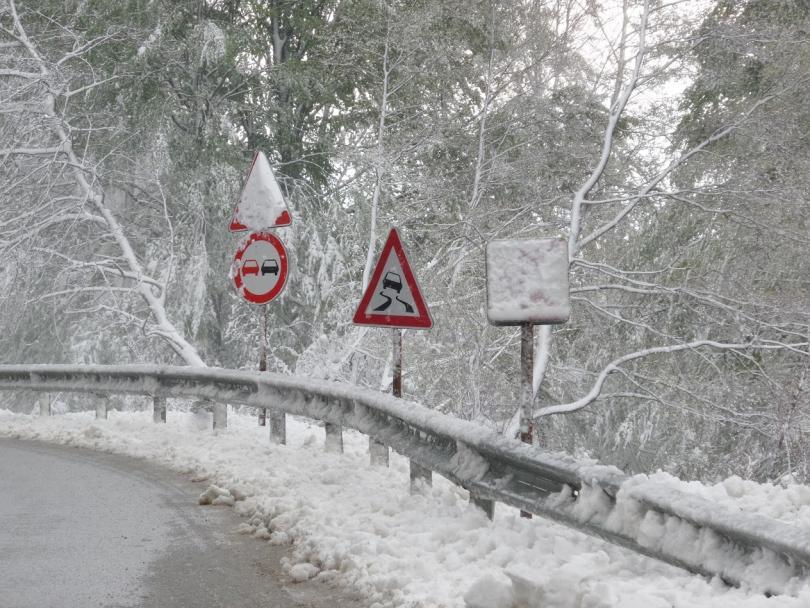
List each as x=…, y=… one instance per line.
x=423, y=321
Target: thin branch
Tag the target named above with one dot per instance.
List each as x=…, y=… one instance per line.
x=614, y=366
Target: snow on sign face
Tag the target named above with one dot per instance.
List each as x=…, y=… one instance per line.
x=261, y=204
x=527, y=282
x=393, y=298
x=259, y=269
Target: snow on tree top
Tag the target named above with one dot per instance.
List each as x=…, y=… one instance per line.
x=527, y=282
x=261, y=204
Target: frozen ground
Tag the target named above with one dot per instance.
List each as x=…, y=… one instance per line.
x=359, y=525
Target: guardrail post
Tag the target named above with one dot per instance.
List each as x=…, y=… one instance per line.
x=44, y=405
x=420, y=475
x=487, y=506
x=201, y=414
x=377, y=453
x=263, y=364
x=417, y=471
x=220, y=415
x=334, y=437
x=159, y=409
x=278, y=427
x=101, y=407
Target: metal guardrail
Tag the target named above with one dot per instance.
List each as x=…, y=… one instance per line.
x=492, y=467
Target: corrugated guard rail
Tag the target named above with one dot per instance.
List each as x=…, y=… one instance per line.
x=692, y=533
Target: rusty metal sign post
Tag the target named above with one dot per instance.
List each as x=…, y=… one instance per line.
x=263, y=359
x=527, y=285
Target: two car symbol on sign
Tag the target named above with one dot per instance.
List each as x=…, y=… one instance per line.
x=252, y=267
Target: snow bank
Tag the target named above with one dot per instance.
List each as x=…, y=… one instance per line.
x=358, y=525
x=789, y=503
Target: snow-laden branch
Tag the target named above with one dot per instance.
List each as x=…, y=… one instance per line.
x=616, y=111
x=86, y=47
x=106, y=266
x=20, y=74
x=379, y=153
x=645, y=191
x=615, y=366
x=43, y=151
x=77, y=290
x=735, y=307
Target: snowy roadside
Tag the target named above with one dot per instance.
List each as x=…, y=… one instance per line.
x=789, y=504
x=359, y=526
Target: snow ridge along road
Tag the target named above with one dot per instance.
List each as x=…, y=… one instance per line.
x=357, y=525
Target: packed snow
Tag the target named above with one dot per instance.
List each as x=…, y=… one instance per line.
x=261, y=204
x=527, y=281
x=359, y=526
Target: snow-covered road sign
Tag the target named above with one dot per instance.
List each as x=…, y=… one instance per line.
x=259, y=268
x=527, y=282
x=261, y=204
x=393, y=298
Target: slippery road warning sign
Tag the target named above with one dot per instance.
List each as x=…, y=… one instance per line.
x=259, y=268
x=261, y=204
x=393, y=298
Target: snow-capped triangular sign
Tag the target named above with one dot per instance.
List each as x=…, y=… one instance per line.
x=261, y=204
x=393, y=297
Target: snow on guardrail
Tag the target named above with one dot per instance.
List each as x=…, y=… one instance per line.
x=653, y=519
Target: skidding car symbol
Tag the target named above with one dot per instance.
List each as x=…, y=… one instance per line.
x=392, y=280
x=270, y=267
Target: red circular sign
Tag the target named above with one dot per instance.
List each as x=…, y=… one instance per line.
x=259, y=269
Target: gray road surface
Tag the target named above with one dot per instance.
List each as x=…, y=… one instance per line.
x=82, y=529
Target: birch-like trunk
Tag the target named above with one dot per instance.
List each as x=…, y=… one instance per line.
x=378, y=159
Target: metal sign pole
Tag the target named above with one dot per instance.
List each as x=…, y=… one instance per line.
x=526, y=392
x=418, y=472
x=396, y=360
x=278, y=419
x=378, y=452
x=263, y=359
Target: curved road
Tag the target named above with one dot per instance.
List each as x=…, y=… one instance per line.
x=86, y=529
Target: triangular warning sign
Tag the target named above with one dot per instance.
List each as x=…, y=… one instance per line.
x=393, y=297
x=261, y=204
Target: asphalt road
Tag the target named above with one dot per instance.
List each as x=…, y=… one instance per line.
x=85, y=529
